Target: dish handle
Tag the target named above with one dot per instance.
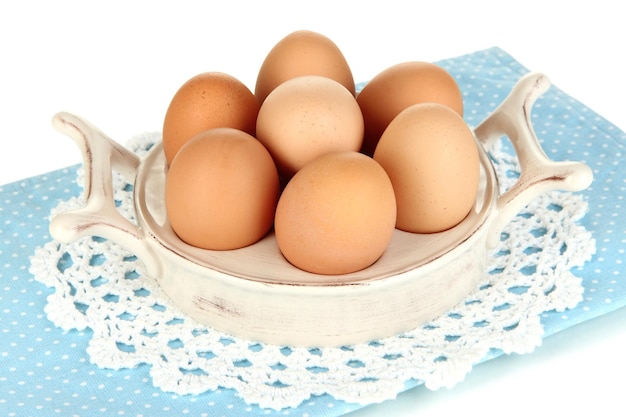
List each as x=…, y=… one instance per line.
x=539, y=173
x=99, y=216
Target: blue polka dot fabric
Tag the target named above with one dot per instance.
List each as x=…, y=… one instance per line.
x=45, y=371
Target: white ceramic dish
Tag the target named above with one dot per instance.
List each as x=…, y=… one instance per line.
x=255, y=293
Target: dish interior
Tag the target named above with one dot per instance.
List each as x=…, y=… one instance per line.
x=263, y=261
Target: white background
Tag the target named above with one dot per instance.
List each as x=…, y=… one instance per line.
x=119, y=63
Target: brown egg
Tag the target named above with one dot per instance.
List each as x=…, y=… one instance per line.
x=221, y=190
x=305, y=117
x=208, y=100
x=302, y=53
x=432, y=159
x=336, y=215
x=400, y=86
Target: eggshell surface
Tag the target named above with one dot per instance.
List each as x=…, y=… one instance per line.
x=400, y=86
x=207, y=100
x=221, y=190
x=302, y=52
x=304, y=118
x=336, y=215
x=432, y=159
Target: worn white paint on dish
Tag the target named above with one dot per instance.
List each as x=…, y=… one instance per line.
x=255, y=293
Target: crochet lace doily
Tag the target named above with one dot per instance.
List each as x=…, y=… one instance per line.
x=99, y=285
